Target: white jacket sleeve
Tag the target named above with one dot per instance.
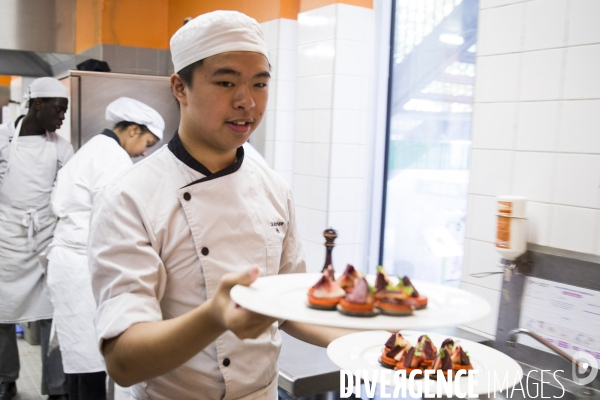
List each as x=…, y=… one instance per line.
x=128, y=276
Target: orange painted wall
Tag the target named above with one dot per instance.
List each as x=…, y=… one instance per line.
x=5, y=80
x=306, y=5
x=261, y=10
x=138, y=23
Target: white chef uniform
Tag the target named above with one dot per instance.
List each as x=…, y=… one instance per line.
x=97, y=163
x=162, y=236
x=78, y=184
x=26, y=219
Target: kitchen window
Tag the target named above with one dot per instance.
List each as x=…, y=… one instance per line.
x=432, y=73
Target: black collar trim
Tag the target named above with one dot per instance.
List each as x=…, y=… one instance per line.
x=111, y=134
x=182, y=154
x=18, y=119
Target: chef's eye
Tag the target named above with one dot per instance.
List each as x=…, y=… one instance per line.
x=225, y=84
x=261, y=85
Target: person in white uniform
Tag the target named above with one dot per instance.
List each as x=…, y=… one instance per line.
x=137, y=128
x=171, y=236
x=31, y=154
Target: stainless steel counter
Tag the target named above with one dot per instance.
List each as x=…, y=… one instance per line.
x=305, y=370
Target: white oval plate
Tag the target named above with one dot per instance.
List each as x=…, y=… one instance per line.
x=285, y=297
x=361, y=351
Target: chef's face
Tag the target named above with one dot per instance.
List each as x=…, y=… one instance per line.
x=139, y=142
x=226, y=100
x=50, y=113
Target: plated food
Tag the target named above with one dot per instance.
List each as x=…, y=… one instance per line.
x=352, y=295
x=399, y=354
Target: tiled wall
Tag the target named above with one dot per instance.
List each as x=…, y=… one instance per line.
x=335, y=45
x=275, y=137
x=536, y=130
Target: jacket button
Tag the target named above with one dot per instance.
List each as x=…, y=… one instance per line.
x=205, y=251
x=226, y=362
x=187, y=196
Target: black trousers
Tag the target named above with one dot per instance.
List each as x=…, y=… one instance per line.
x=53, y=378
x=90, y=386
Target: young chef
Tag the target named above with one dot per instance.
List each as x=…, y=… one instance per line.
x=31, y=153
x=171, y=236
x=137, y=128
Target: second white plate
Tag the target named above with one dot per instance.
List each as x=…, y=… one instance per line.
x=285, y=297
x=361, y=351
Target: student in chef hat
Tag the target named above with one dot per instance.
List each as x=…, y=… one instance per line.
x=31, y=153
x=173, y=235
x=107, y=155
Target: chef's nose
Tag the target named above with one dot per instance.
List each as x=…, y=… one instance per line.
x=243, y=98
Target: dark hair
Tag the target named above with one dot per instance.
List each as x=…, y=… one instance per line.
x=126, y=124
x=187, y=73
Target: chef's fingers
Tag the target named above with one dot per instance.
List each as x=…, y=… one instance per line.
x=244, y=278
x=246, y=324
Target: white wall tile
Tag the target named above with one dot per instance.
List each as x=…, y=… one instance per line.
x=348, y=226
x=350, y=92
x=317, y=24
x=347, y=126
x=573, y=228
x=345, y=254
x=346, y=194
x=488, y=324
x=541, y=75
x=581, y=74
x=271, y=33
x=319, y=188
x=583, y=22
x=496, y=78
x=317, y=224
x=481, y=218
x=269, y=124
x=321, y=159
x=494, y=125
x=483, y=4
x=283, y=156
x=312, y=159
x=301, y=189
x=538, y=223
x=285, y=125
x=352, y=57
x=316, y=58
x=579, y=130
x=287, y=64
x=315, y=92
x=490, y=172
x=303, y=220
x=314, y=254
x=288, y=34
x=304, y=125
x=544, y=24
x=355, y=23
x=303, y=158
x=577, y=180
x=348, y=161
x=322, y=126
x=533, y=175
x=500, y=30
x=537, y=125
x=286, y=95
x=272, y=101
x=482, y=257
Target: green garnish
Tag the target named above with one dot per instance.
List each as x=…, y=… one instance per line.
x=442, y=353
x=379, y=268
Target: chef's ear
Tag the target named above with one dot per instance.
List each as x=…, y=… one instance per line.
x=179, y=89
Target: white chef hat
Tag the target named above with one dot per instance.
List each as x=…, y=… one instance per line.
x=215, y=33
x=46, y=87
x=131, y=110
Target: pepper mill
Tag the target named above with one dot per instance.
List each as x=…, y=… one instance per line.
x=330, y=236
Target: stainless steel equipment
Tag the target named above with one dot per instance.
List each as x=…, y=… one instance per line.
x=91, y=92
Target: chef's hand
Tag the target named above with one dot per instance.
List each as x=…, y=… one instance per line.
x=243, y=323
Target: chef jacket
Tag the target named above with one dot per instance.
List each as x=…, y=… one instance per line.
x=162, y=236
x=97, y=163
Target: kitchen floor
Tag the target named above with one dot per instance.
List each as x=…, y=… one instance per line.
x=29, y=384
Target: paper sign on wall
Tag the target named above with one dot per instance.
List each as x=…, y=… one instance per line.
x=565, y=315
